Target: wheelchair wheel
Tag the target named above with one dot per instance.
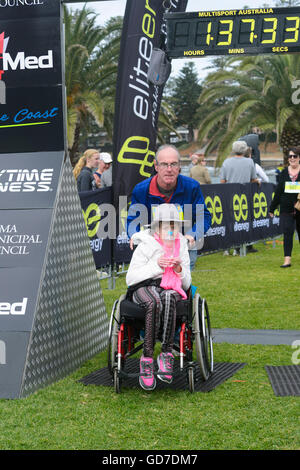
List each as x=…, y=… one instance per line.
x=208, y=343
x=113, y=335
x=202, y=336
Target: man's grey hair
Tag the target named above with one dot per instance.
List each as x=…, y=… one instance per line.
x=240, y=147
x=165, y=146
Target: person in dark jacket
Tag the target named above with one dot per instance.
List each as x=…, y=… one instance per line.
x=83, y=171
x=285, y=197
x=252, y=140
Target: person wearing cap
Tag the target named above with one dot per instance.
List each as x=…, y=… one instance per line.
x=104, y=165
x=159, y=275
x=239, y=169
x=169, y=186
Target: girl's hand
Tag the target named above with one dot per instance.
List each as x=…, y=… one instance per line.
x=177, y=265
x=174, y=263
x=163, y=262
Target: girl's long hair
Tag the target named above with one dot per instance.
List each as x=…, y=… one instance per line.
x=82, y=161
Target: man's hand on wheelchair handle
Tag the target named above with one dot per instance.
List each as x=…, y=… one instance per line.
x=191, y=240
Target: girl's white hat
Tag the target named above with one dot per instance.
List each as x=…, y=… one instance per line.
x=165, y=213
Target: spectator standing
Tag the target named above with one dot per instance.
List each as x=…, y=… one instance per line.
x=260, y=173
x=278, y=171
x=104, y=165
x=238, y=169
x=252, y=140
x=106, y=179
x=83, y=170
x=194, y=161
x=285, y=197
x=199, y=171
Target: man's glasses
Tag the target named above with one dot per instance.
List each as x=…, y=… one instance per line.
x=293, y=155
x=164, y=165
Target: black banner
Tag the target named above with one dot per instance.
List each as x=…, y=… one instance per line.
x=239, y=216
x=137, y=101
x=31, y=76
x=14, y=9
x=99, y=217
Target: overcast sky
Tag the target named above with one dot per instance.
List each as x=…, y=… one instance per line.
x=111, y=8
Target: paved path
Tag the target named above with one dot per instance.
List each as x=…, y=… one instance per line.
x=266, y=337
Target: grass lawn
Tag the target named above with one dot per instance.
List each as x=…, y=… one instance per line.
x=242, y=413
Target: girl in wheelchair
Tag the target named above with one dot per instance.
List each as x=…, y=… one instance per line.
x=160, y=265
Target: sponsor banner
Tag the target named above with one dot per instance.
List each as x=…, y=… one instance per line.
x=218, y=235
x=137, y=100
x=32, y=120
x=10, y=9
x=31, y=77
x=30, y=52
x=100, y=220
x=239, y=215
x=23, y=237
x=18, y=295
x=262, y=224
x=29, y=180
x=13, y=351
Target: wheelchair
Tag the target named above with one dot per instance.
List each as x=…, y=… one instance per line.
x=192, y=333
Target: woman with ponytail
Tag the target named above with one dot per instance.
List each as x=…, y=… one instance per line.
x=83, y=171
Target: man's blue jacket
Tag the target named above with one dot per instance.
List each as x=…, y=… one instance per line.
x=187, y=193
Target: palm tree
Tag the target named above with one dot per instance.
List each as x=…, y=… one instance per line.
x=257, y=92
x=90, y=70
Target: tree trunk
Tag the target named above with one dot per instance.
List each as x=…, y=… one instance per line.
x=196, y=132
x=74, y=150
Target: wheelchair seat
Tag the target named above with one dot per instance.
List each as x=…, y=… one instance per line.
x=132, y=311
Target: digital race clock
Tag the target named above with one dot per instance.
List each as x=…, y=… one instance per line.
x=249, y=31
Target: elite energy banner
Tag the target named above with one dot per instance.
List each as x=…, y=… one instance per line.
x=239, y=215
x=137, y=101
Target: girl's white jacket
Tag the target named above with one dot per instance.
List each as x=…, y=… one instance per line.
x=144, y=264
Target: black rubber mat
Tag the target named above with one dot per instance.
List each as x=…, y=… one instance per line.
x=222, y=372
x=285, y=380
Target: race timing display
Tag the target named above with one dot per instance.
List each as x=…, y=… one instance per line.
x=225, y=32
